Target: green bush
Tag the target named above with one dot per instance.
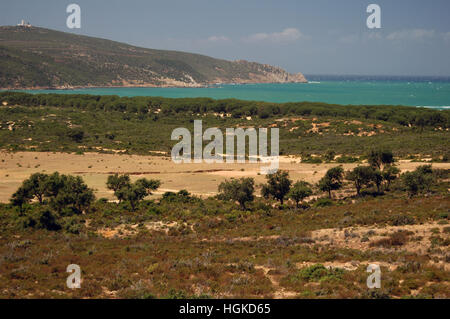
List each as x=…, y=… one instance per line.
x=347, y=159
x=319, y=272
x=312, y=160
x=323, y=202
x=41, y=218
x=401, y=220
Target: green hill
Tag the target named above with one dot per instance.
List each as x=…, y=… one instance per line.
x=32, y=57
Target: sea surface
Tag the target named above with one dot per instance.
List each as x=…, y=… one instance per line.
x=432, y=92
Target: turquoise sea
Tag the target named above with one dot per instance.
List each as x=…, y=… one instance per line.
x=413, y=91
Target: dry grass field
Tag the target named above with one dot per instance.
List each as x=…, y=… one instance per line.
x=199, y=179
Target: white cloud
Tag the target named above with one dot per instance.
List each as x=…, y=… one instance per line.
x=446, y=36
x=218, y=38
x=413, y=34
x=287, y=35
x=374, y=36
x=348, y=39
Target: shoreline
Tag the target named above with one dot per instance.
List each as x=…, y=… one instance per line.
x=135, y=86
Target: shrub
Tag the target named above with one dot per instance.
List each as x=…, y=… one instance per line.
x=174, y=294
x=312, y=160
x=347, y=159
x=401, y=220
x=395, y=239
x=182, y=196
x=323, y=202
x=116, y=182
x=76, y=135
x=319, y=272
x=72, y=195
x=39, y=219
x=329, y=156
x=72, y=224
x=33, y=187
x=376, y=294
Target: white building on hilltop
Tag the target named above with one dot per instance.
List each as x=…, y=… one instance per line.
x=24, y=24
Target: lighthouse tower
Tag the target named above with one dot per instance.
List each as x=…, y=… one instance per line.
x=24, y=24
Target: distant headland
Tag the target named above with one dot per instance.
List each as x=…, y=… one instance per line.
x=38, y=58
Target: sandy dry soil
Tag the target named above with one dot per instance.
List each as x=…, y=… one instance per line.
x=336, y=237
x=199, y=179
x=351, y=238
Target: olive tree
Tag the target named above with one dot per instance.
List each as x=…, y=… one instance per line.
x=63, y=192
x=361, y=176
x=299, y=192
x=74, y=196
x=277, y=186
x=33, y=187
x=379, y=158
x=419, y=180
x=239, y=190
x=116, y=182
x=390, y=174
x=132, y=192
x=332, y=180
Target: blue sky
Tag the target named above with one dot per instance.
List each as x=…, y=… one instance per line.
x=309, y=36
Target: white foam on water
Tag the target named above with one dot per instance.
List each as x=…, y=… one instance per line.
x=435, y=107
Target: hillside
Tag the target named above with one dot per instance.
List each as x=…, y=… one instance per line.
x=42, y=58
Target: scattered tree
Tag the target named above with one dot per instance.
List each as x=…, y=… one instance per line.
x=64, y=192
x=116, y=181
x=299, y=192
x=390, y=174
x=332, y=180
x=330, y=155
x=239, y=190
x=21, y=197
x=378, y=179
x=278, y=186
x=419, y=180
x=74, y=196
x=361, y=176
x=132, y=192
x=33, y=187
x=76, y=135
x=379, y=158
